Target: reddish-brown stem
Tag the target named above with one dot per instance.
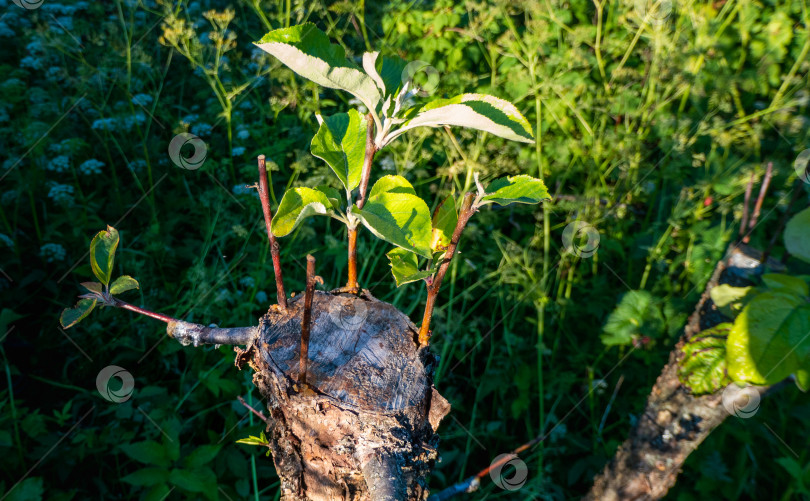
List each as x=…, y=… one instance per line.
x=365, y=175
x=306, y=322
x=258, y=414
x=137, y=309
x=352, y=282
x=464, y=215
x=758, y=206
x=264, y=195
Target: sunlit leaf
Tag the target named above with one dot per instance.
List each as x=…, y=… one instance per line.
x=703, y=368
x=444, y=222
x=306, y=50
x=405, y=266
x=296, y=205
x=476, y=111
x=122, y=284
x=72, y=316
x=770, y=338
x=516, y=189
x=386, y=71
x=341, y=143
x=397, y=216
x=102, y=254
x=730, y=300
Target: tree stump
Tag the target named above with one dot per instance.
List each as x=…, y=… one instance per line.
x=364, y=425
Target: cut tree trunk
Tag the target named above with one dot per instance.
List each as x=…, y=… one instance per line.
x=363, y=427
x=675, y=421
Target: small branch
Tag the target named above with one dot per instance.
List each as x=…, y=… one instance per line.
x=371, y=150
x=352, y=281
x=467, y=210
x=746, y=203
x=254, y=411
x=762, y=191
x=195, y=334
x=137, y=309
x=188, y=333
x=264, y=195
x=307, y=320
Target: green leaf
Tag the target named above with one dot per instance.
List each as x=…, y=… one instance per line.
x=147, y=477
x=730, y=300
x=147, y=452
x=405, y=266
x=770, y=338
x=194, y=480
x=803, y=379
x=251, y=440
x=307, y=51
x=122, y=284
x=636, y=314
x=94, y=287
x=102, y=254
x=516, y=189
x=297, y=204
x=386, y=71
x=341, y=143
x=444, y=222
x=72, y=316
x=30, y=489
x=157, y=493
x=202, y=455
x=397, y=216
x=332, y=194
x=476, y=111
x=797, y=235
x=703, y=368
x=391, y=184
x=786, y=283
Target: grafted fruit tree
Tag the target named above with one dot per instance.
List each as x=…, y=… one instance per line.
x=353, y=412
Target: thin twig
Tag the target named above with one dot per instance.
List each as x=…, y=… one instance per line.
x=137, y=309
x=365, y=175
x=254, y=411
x=307, y=320
x=762, y=191
x=746, y=202
x=467, y=210
x=264, y=195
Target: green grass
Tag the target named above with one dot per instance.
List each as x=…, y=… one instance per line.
x=647, y=131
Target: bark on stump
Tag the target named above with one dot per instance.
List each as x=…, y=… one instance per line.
x=675, y=421
x=364, y=426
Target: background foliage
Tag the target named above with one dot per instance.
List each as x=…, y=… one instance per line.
x=648, y=130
